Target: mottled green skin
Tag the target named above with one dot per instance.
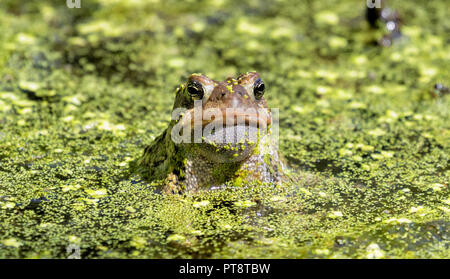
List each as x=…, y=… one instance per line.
x=191, y=166
x=177, y=163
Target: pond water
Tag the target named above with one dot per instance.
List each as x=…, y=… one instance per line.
x=364, y=131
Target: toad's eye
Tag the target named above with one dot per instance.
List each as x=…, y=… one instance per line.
x=259, y=88
x=195, y=90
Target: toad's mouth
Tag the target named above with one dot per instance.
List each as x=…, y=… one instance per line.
x=228, y=143
x=223, y=118
x=225, y=134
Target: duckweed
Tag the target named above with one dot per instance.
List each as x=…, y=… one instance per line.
x=364, y=139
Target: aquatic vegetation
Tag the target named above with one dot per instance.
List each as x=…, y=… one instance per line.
x=365, y=135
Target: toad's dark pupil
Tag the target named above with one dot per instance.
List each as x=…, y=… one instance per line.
x=259, y=89
x=195, y=90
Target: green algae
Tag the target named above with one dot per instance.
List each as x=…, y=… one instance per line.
x=83, y=91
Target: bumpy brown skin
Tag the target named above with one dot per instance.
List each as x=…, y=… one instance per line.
x=189, y=167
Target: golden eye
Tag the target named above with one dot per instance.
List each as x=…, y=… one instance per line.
x=195, y=90
x=259, y=88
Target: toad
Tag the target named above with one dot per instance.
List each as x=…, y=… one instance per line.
x=220, y=133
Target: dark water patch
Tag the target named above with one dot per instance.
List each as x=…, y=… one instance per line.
x=320, y=165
